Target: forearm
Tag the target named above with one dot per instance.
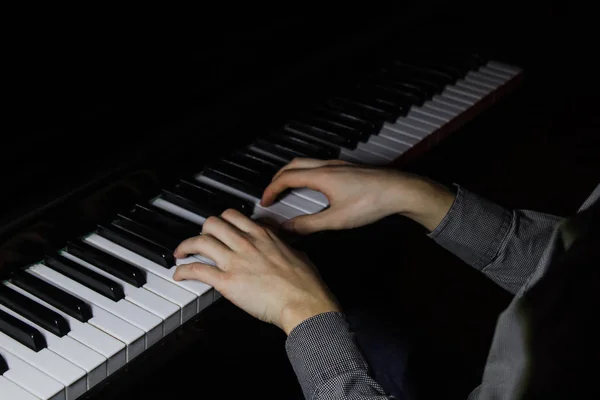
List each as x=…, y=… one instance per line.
x=424, y=201
x=504, y=244
x=327, y=361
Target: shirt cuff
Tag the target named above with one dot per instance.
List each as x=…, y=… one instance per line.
x=473, y=229
x=321, y=348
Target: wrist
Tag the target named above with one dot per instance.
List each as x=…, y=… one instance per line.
x=424, y=201
x=294, y=315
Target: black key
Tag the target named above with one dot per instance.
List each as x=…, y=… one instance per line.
x=160, y=220
x=245, y=173
x=311, y=147
x=361, y=109
x=363, y=128
x=98, y=283
x=245, y=180
x=230, y=180
x=265, y=160
x=456, y=59
x=324, y=135
x=23, y=333
x=404, y=93
x=104, y=261
x=443, y=67
x=333, y=126
x=33, y=311
x=242, y=160
x=425, y=68
x=54, y=296
x=386, y=78
x=150, y=244
x=372, y=104
x=160, y=238
x=161, y=256
x=221, y=200
x=253, y=162
x=283, y=152
x=409, y=71
x=397, y=104
x=204, y=200
x=3, y=366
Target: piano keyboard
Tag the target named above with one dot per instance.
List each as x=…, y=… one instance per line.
x=70, y=321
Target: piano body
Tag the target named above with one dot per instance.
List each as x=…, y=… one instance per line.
x=97, y=205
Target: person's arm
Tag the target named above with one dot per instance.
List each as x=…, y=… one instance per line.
x=328, y=362
x=506, y=245
x=260, y=274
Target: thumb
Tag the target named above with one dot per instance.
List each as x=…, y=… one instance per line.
x=305, y=224
x=208, y=274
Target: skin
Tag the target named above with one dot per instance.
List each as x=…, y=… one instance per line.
x=265, y=277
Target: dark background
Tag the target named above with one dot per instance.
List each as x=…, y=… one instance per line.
x=91, y=90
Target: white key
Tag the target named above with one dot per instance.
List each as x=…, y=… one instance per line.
x=428, y=129
x=437, y=115
x=203, y=292
x=389, y=144
x=450, y=102
x=312, y=195
x=138, y=317
x=66, y=373
x=290, y=199
x=473, y=87
x=11, y=391
x=184, y=299
x=300, y=203
x=426, y=109
x=408, y=130
x=112, y=349
x=490, y=78
x=398, y=134
x=384, y=152
x=496, y=72
x=448, y=110
x=473, y=77
x=364, y=156
x=511, y=69
x=277, y=208
x=270, y=155
x=417, y=115
x=179, y=211
x=31, y=379
x=464, y=91
x=352, y=158
x=468, y=100
x=165, y=310
x=85, y=358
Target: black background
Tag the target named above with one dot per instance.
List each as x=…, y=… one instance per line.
x=88, y=90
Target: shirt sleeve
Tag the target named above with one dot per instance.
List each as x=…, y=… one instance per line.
x=506, y=245
x=328, y=362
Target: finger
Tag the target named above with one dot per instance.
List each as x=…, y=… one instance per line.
x=301, y=163
x=239, y=220
x=294, y=178
x=205, y=245
x=199, y=272
x=225, y=232
x=305, y=224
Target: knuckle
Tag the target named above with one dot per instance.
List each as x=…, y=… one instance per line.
x=230, y=212
x=210, y=221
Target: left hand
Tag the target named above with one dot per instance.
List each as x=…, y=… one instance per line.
x=256, y=271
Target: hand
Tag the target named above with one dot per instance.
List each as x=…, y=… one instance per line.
x=359, y=195
x=256, y=271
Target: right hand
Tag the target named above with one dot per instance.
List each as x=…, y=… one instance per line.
x=358, y=195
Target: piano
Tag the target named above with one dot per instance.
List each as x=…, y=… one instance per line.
x=87, y=293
